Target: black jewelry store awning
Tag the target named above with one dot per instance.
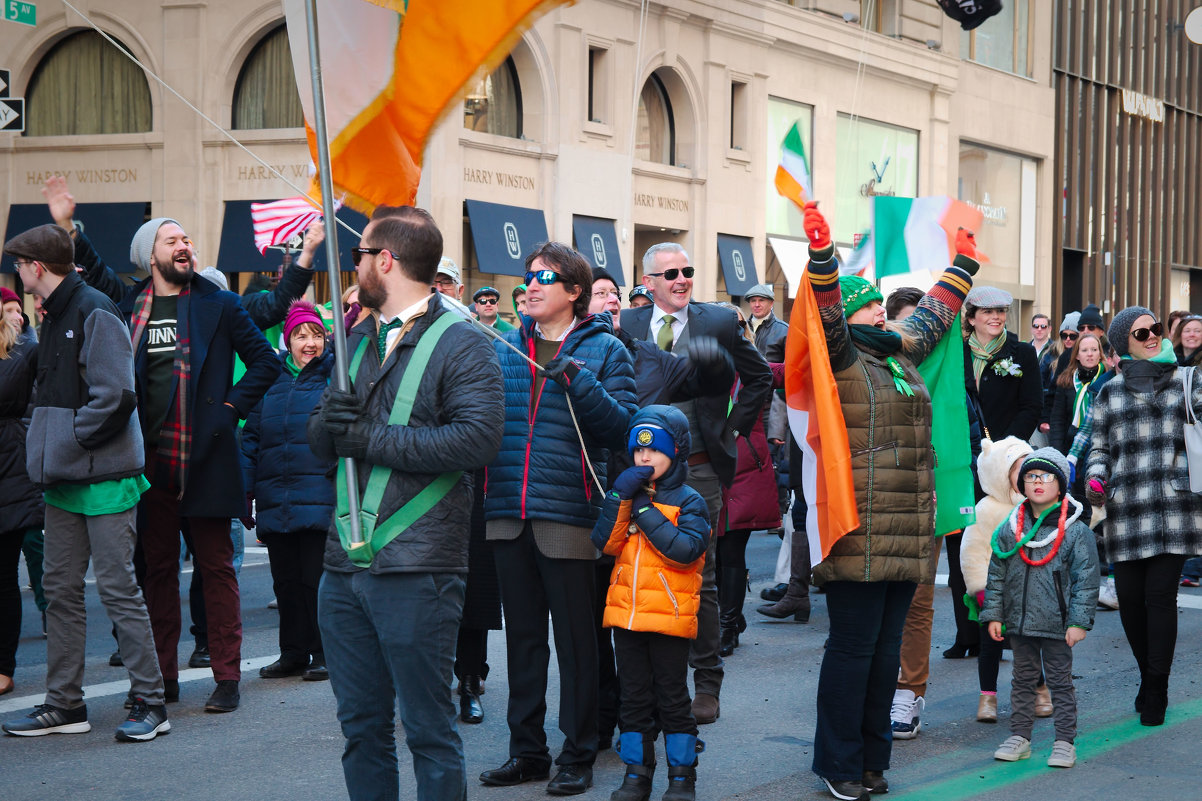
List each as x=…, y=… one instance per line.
x=597, y=240
x=237, y=253
x=504, y=235
x=738, y=263
x=109, y=226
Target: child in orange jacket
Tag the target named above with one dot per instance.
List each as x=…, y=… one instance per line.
x=658, y=528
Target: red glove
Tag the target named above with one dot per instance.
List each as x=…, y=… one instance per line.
x=966, y=244
x=816, y=228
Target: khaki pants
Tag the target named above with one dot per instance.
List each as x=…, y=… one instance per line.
x=916, y=635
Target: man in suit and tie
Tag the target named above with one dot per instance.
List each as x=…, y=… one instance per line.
x=670, y=322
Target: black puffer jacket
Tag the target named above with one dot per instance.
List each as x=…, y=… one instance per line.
x=455, y=425
x=20, y=501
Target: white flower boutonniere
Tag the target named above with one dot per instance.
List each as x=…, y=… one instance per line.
x=1006, y=367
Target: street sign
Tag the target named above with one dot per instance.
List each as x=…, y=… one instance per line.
x=24, y=13
x=4, y=83
x=12, y=114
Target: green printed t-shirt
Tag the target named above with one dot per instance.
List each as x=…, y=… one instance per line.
x=103, y=498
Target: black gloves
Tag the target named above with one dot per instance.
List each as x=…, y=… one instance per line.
x=339, y=410
x=353, y=443
x=632, y=480
x=562, y=370
x=708, y=354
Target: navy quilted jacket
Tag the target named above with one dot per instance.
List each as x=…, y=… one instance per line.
x=540, y=473
x=291, y=484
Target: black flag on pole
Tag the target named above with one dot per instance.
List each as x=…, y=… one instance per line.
x=970, y=13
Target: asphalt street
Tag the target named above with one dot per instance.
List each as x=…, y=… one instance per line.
x=284, y=743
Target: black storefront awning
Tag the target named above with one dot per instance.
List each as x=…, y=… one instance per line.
x=237, y=253
x=596, y=239
x=738, y=263
x=110, y=227
x=504, y=235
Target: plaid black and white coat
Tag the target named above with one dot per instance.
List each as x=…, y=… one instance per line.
x=1139, y=450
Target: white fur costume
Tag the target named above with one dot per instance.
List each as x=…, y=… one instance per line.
x=993, y=470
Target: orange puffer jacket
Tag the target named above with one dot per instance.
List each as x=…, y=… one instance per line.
x=647, y=590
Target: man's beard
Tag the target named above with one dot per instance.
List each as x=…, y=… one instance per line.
x=372, y=293
x=173, y=274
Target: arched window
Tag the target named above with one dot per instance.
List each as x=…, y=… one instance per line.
x=84, y=85
x=655, y=136
x=494, y=105
x=265, y=95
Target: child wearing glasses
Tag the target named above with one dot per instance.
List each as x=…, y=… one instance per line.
x=1042, y=592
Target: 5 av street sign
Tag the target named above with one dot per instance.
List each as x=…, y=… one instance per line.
x=18, y=11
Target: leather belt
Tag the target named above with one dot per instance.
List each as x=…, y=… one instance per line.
x=701, y=457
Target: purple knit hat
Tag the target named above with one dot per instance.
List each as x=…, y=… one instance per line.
x=299, y=313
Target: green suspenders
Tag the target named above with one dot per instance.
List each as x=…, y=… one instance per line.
x=377, y=536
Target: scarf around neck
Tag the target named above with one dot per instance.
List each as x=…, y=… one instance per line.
x=981, y=354
x=869, y=337
x=1082, y=382
x=175, y=440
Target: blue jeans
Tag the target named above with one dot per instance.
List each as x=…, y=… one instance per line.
x=389, y=638
x=858, y=676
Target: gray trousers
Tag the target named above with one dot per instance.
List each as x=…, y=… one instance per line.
x=108, y=542
x=1057, y=660
x=704, y=659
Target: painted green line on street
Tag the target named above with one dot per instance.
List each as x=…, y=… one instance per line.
x=994, y=775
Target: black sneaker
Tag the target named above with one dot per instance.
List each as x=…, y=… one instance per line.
x=115, y=660
x=144, y=723
x=47, y=719
x=225, y=698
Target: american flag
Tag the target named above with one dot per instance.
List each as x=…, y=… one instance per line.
x=281, y=220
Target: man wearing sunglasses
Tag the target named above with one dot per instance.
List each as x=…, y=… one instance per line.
x=542, y=504
x=486, y=299
x=1041, y=334
x=389, y=611
x=671, y=321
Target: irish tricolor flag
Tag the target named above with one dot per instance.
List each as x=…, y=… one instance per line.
x=913, y=234
x=793, y=173
x=816, y=420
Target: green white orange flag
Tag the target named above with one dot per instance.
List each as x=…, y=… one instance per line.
x=911, y=234
x=816, y=420
x=391, y=69
x=793, y=174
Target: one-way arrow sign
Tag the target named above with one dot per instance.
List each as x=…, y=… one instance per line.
x=12, y=114
x=3, y=83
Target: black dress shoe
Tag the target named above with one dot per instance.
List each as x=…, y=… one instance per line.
x=571, y=780
x=225, y=698
x=200, y=657
x=282, y=669
x=470, y=708
x=774, y=594
x=115, y=659
x=958, y=651
x=317, y=669
x=516, y=771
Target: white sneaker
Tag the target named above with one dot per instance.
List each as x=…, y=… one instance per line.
x=1107, y=597
x=1064, y=755
x=906, y=714
x=1014, y=749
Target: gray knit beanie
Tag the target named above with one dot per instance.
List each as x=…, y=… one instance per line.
x=1069, y=323
x=1049, y=460
x=142, y=246
x=1120, y=327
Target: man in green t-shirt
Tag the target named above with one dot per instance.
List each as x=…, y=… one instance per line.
x=84, y=447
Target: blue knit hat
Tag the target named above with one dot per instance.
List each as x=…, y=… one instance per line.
x=649, y=435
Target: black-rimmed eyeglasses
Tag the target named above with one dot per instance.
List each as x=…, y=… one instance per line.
x=358, y=253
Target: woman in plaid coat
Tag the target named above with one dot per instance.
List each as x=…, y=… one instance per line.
x=1138, y=469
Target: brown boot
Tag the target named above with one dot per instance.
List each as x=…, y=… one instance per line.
x=1043, y=702
x=705, y=708
x=987, y=708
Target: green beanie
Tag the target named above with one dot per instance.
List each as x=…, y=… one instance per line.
x=857, y=293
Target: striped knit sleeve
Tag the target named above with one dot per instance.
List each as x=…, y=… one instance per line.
x=938, y=308
x=824, y=278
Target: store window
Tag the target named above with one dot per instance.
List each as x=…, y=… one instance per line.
x=84, y=85
x=494, y=105
x=265, y=95
x=655, y=134
x=871, y=159
x=781, y=215
x=1002, y=187
x=1004, y=41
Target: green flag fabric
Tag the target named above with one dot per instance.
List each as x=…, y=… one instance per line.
x=943, y=372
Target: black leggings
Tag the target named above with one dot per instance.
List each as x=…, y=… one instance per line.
x=732, y=549
x=1147, y=591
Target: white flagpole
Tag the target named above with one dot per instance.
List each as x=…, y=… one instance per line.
x=342, y=366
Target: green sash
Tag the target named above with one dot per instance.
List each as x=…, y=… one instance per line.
x=375, y=537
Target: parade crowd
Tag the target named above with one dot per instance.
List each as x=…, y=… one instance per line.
x=600, y=465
